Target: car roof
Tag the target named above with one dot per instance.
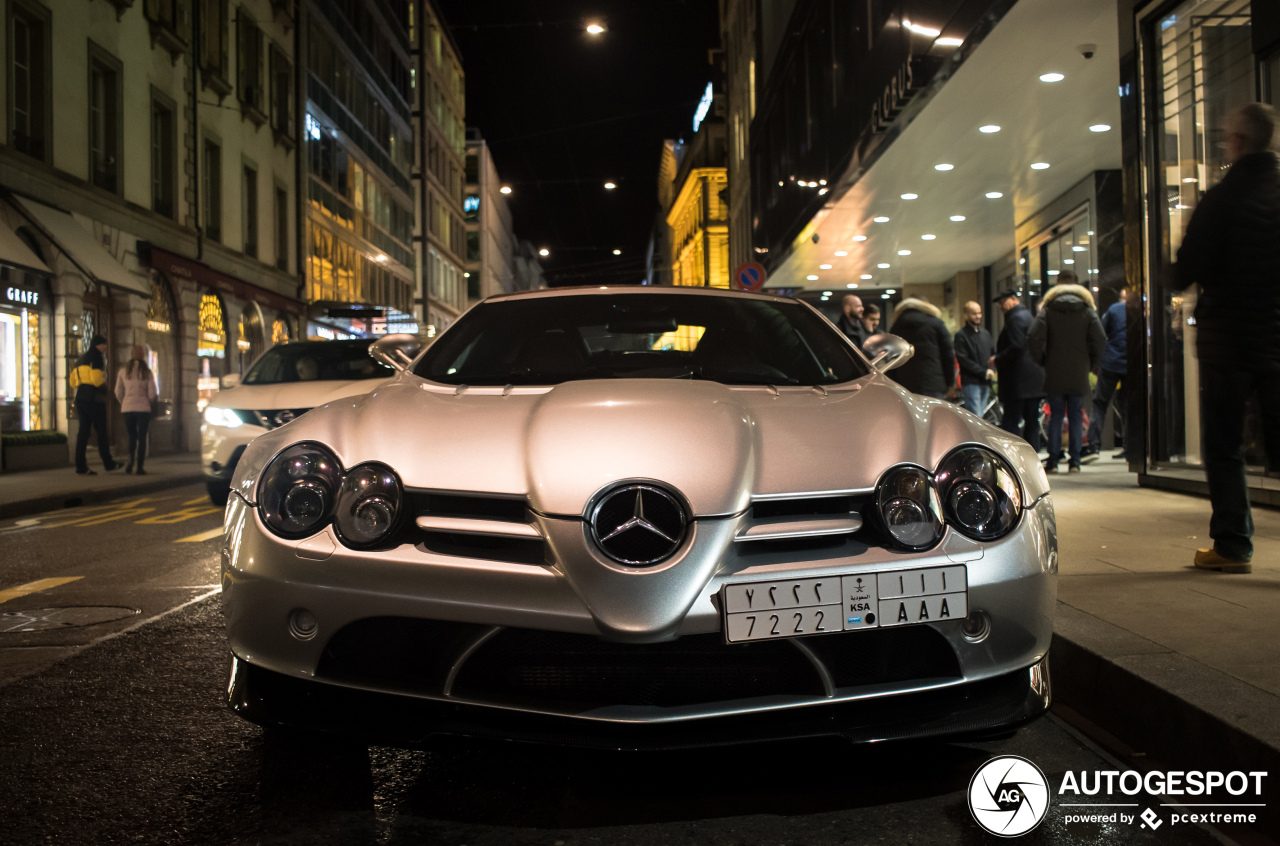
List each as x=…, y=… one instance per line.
x=634, y=290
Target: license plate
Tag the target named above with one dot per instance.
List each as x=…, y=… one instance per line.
x=841, y=603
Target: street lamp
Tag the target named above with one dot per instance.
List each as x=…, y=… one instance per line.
x=617, y=252
x=594, y=29
x=544, y=252
x=505, y=189
x=609, y=186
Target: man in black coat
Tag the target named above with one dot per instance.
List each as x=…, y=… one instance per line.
x=850, y=322
x=974, y=353
x=90, y=381
x=1067, y=339
x=1232, y=250
x=1021, y=380
x=932, y=370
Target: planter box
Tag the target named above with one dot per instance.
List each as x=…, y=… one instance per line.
x=42, y=457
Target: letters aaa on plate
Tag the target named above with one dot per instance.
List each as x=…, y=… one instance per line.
x=841, y=603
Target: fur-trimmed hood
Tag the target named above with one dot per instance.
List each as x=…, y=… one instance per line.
x=918, y=305
x=1057, y=291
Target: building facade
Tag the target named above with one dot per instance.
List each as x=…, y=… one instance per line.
x=695, y=203
x=148, y=177
x=439, y=124
x=491, y=244
x=738, y=35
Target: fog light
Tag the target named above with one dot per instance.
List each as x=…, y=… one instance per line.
x=303, y=624
x=976, y=627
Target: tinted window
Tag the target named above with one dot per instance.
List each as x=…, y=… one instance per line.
x=307, y=362
x=549, y=340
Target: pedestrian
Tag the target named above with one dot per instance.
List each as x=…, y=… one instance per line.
x=136, y=390
x=975, y=353
x=1231, y=250
x=871, y=319
x=850, y=322
x=1111, y=373
x=1067, y=339
x=932, y=370
x=1020, y=381
x=89, y=378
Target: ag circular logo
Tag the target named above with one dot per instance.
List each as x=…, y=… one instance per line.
x=1008, y=796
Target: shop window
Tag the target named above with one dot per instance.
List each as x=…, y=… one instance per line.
x=279, y=332
x=250, y=73
x=212, y=332
x=211, y=190
x=249, y=211
x=104, y=119
x=28, y=74
x=162, y=158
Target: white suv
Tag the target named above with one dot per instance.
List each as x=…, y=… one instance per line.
x=287, y=381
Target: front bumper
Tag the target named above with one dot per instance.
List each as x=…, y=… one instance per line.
x=266, y=580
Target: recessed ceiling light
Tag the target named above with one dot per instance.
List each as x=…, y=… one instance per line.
x=927, y=237
x=1051, y=77
x=1191, y=179
x=881, y=219
x=890, y=291
x=826, y=293
x=1054, y=272
x=1100, y=127
x=1068, y=261
x=852, y=285
x=842, y=252
x=909, y=196
x=865, y=276
x=989, y=128
x=821, y=191
x=1040, y=166
x=824, y=267
x=884, y=265
x=904, y=252
x=1078, y=249
x=994, y=195
x=957, y=217
x=811, y=278
x=949, y=42
x=859, y=237
x=884, y=296
x=944, y=166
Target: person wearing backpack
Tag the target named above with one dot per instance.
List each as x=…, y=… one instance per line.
x=89, y=378
x=136, y=390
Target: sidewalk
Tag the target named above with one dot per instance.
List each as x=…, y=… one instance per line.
x=1182, y=664
x=35, y=491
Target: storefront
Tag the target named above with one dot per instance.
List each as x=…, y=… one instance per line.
x=1197, y=60
x=26, y=363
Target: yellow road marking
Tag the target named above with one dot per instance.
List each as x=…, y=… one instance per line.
x=179, y=516
x=197, y=500
x=98, y=514
x=203, y=536
x=34, y=587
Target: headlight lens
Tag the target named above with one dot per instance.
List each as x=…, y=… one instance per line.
x=225, y=417
x=980, y=492
x=909, y=508
x=297, y=492
x=368, y=505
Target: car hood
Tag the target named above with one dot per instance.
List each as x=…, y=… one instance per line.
x=717, y=445
x=292, y=394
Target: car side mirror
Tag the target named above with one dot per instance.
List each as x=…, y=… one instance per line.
x=396, y=351
x=230, y=380
x=887, y=351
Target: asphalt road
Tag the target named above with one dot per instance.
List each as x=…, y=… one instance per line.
x=115, y=732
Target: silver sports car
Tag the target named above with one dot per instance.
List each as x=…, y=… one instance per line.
x=639, y=517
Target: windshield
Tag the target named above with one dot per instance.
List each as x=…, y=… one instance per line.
x=313, y=361
x=549, y=340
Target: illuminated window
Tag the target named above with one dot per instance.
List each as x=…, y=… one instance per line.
x=212, y=342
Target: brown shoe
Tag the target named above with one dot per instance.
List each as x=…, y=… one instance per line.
x=1209, y=559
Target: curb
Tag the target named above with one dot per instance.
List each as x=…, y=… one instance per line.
x=1171, y=708
x=51, y=502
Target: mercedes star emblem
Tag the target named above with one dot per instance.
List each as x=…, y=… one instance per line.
x=638, y=524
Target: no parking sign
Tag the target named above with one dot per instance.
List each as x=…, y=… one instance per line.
x=750, y=275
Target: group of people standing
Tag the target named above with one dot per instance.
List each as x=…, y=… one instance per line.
x=135, y=390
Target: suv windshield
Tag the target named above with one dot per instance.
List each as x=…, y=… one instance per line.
x=313, y=361
x=549, y=340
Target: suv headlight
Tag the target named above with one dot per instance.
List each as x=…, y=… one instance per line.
x=368, y=505
x=225, y=417
x=297, y=492
x=980, y=493
x=909, y=508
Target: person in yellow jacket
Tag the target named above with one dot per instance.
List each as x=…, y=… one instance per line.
x=89, y=378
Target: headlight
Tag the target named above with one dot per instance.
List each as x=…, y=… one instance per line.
x=368, y=505
x=225, y=417
x=297, y=492
x=980, y=493
x=909, y=508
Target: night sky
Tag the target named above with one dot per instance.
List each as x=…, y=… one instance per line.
x=564, y=112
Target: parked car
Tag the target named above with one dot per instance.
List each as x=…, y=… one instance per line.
x=286, y=382
x=608, y=517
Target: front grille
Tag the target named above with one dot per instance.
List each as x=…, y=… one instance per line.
x=823, y=506
x=884, y=656
x=397, y=653
x=474, y=506
x=531, y=551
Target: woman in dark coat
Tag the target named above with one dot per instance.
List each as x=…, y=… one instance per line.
x=932, y=370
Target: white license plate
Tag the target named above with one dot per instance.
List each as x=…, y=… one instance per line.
x=841, y=603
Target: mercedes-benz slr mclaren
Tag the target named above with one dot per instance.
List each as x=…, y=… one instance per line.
x=640, y=518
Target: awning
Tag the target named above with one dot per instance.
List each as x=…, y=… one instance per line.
x=15, y=252
x=176, y=265
x=82, y=247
